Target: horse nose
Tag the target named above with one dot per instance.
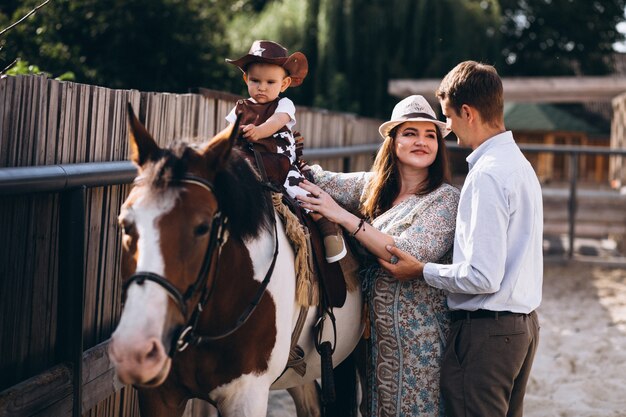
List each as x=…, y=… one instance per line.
x=137, y=362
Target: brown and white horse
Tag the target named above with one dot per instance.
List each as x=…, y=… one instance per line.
x=210, y=286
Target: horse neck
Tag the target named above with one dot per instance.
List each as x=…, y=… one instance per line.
x=241, y=267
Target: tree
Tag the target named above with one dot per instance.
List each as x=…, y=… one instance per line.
x=560, y=37
x=366, y=43
x=162, y=45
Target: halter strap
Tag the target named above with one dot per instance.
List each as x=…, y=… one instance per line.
x=141, y=276
x=186, y=334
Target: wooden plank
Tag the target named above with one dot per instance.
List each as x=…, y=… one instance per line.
x=37, y=394
x=51, y=391
x=69, y=137
x=22, y=139
x=118, y=131
x=42, y=121
x=107, y=140
x=14, y=313
x=52, y=122
x=28, y=138
x=109, y=262
x=100, y=128
x=93, y=217
x=99, y=380
x=6, y=92
x=41, y=350
x=16, y=130
x=60, y=138
x=104, y=137
x=82, y=122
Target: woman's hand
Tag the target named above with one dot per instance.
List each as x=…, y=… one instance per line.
x=318, y=201
x=401, y=265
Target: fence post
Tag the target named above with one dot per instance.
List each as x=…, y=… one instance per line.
x=71, y=288
x=346, y=164
x=572, y=205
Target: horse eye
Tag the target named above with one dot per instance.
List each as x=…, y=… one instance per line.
x=202, y=229
x=128, y=228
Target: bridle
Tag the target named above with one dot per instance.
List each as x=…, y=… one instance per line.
x=186, y=334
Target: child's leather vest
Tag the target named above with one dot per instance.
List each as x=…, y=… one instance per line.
x=257, y=113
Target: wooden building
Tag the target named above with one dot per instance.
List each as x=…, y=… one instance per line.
x=540, y=123
x=531, y=114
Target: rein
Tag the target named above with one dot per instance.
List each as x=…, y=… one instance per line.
x=186, y=334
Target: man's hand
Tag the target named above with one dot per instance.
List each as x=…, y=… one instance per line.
x=406, y=268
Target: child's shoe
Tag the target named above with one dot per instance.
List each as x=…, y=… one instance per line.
x=334, y=246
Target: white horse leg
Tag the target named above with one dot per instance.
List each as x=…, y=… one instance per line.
x=306, y=399
x=212, y=411
x=251, y=403
x=245, y=397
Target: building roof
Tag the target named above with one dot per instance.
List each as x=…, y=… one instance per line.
x=562, y=89
x=545, y=118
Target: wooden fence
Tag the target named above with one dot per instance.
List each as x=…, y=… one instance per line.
x=44, y=122
x=617, y=165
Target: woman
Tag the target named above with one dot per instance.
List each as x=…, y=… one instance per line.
x=411, y=205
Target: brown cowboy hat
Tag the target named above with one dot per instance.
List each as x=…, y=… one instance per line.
x=270, y=52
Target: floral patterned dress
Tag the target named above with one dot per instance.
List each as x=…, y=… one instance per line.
x=409, y=320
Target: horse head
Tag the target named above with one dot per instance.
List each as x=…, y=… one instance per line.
x=173, y=228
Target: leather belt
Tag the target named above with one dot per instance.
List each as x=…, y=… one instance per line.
x=481, y=314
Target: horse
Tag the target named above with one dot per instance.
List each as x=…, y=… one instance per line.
x=209, y=282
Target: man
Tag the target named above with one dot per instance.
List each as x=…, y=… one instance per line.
x=494, y=283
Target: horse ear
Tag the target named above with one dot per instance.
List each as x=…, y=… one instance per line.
x=143, y=146
x=217, y=151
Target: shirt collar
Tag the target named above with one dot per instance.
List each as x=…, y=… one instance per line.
x=497, y=140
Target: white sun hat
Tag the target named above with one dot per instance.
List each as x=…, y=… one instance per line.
x=413, y=108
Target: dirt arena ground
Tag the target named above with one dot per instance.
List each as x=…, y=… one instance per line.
x=580, y=367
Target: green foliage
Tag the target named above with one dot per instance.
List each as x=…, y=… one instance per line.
x=24, y=68
x=163, y=45
x=354, y=47
x=559, y=37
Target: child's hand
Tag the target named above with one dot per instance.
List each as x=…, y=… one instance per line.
x=251, y=132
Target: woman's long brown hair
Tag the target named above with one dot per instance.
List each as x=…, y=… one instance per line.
x=385, y=185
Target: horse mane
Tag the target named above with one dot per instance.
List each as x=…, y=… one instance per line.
x=242, y=197
x=238, y=189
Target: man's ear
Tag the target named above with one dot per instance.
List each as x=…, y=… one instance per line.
x=285, y=84
x=467, y=112
x=245, y=78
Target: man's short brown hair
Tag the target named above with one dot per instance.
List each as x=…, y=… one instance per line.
x=477, y=85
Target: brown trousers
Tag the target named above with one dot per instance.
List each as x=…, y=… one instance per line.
x=486, y=365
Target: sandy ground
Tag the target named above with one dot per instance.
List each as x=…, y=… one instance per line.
x=580, y=367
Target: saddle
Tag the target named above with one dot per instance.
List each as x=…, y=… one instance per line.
x=273, y=169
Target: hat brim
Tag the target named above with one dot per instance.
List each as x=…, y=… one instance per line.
x=387, y=126
x=295, y=64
